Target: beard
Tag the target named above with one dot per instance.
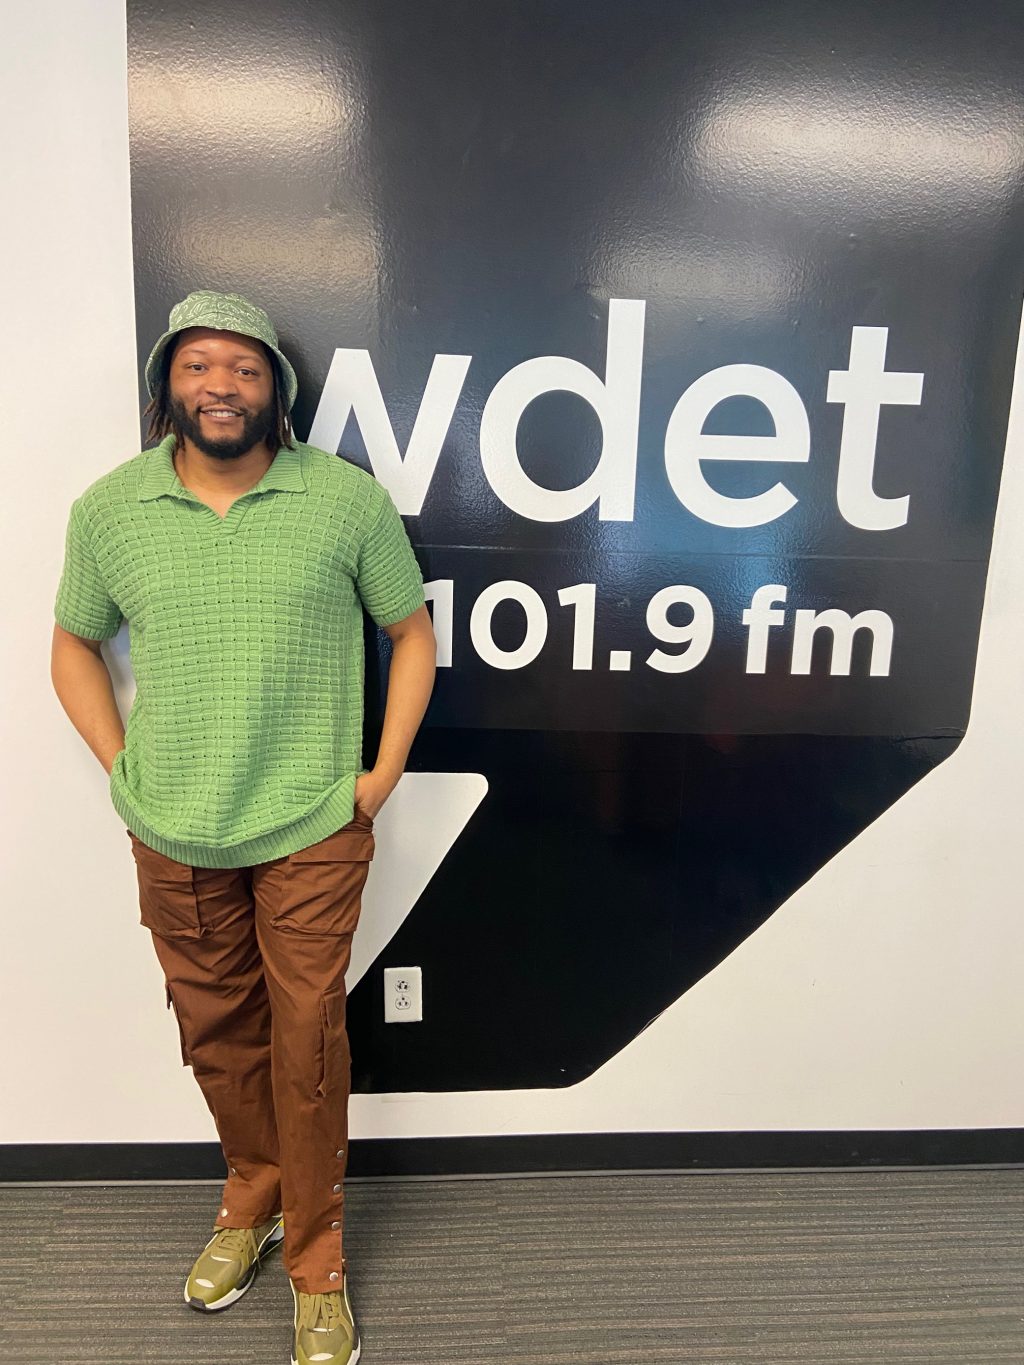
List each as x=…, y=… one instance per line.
x=256, y=427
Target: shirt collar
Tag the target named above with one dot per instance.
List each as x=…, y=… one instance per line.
x=159, y=475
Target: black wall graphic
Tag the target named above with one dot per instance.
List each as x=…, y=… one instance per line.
x=798, y=222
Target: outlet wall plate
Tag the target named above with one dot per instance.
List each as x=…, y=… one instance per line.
x=403, y=995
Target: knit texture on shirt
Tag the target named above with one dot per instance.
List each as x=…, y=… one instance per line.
x=244, y=740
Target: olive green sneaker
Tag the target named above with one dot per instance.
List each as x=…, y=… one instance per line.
x=325, y=1328
x=227, y=1265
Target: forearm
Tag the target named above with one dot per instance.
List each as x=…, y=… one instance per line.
x=410, y=683
x=86, y=692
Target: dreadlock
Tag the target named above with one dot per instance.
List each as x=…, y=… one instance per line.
x=158, y=410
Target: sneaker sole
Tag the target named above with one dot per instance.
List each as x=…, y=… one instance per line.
x=273, y=1238
x=357, y=1352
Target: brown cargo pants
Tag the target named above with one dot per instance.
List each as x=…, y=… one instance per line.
x=254, y=960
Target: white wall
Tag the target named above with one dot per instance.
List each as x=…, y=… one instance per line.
x=885, y=994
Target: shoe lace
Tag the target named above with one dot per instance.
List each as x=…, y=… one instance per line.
x=322, y=1312
x=236, y=1241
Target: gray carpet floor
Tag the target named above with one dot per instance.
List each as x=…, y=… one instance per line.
x=822, y=1266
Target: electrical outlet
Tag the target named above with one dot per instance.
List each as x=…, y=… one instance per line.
x=403, y=995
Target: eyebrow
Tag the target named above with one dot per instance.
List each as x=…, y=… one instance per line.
x=238, y=355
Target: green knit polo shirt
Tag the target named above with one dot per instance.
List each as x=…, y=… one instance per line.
x=244, y=740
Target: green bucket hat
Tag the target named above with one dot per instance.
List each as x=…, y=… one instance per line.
x=228, y=313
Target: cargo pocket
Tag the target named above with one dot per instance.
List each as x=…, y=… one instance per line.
x=322, y=885
x=168, y=904
x=186, y=1060
x=331, y=1007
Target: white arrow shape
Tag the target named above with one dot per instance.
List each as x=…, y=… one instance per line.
x=414, y=829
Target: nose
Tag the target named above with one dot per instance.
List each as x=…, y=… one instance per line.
x=221, y=383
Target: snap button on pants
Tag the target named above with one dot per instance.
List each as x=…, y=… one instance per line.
x=254, y=960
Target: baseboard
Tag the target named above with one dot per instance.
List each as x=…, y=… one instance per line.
x=541, y=1154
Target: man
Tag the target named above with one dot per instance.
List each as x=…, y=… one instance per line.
x=242, y=560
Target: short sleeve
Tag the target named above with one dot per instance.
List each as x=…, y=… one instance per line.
x=83, y=606
x=388, y=578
